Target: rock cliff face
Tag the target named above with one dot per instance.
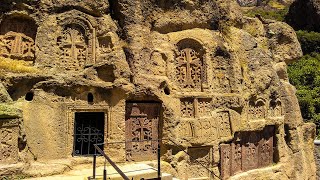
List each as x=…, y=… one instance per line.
x=209, y=82
x=305, y=14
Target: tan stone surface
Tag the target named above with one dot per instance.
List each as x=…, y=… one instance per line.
x=215, y=73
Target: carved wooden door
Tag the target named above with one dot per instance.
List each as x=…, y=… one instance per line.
x=142, y=122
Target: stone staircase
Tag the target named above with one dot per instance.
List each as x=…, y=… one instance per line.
x=133, y=171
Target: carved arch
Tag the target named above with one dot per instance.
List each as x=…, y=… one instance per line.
x=256, y=109
x=275, y=108
x=190, y=71
x=77, y=43
x=17, y=38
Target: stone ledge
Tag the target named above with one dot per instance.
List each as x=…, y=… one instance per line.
x=9, y=112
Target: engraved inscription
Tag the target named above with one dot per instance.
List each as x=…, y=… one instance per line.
x=189, y=69
x=73, y=48
x=142, y=131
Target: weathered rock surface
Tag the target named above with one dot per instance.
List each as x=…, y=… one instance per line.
x=209, y=81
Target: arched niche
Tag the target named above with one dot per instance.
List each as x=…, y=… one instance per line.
x=76, y=43
x=190, y=72
x=275, y=108
x=256, y=109
x=17, y=38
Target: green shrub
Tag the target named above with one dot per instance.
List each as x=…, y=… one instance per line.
x=271, y=13
x=304, y=74
x=310, y=41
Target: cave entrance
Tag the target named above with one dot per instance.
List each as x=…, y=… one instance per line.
x=88, y=130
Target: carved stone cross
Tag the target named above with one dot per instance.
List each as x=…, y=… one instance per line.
x=189, y=69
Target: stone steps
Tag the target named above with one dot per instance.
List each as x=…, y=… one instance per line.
x=133, y=171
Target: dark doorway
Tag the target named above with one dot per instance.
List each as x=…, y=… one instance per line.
x=88, y=130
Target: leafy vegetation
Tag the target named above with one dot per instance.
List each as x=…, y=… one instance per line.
x=310, y=41
x=304, y=74
x=274, y=14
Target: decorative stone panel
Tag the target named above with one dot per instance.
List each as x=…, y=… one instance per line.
x=9, y=132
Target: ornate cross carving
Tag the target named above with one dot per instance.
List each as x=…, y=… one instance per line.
x=189, y=69
x=73, y=48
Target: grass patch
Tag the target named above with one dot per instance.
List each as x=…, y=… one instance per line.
x=268, y=13
x=16, y=66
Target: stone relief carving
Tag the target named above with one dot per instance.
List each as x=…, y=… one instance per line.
x=187, y=108
x=204, y=107
x=142, y=131
x=223, y=119
x=195, y=107
x=73, y=46
x=189, y=66
x=9, y=141
x=251, y=150
x=221, y=81
x=77, y=44
x=256, y=109
x=275, y=108
x=17, y=39
x=105, y=44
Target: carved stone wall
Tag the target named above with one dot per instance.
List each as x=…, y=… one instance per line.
x=249, y=150
x=9, y=132
x=17, y=38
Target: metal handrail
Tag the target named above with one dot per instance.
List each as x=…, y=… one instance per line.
x=117, y=142
x=111, y=162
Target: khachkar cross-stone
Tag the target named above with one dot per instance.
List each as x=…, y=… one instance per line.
x=17, y=45
x=189, y=69
x=74, y=49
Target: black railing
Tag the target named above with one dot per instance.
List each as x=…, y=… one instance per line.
x=158, y=159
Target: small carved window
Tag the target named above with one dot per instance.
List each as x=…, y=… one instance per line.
x=189, y=65
x=17, y=38
x=73, y=46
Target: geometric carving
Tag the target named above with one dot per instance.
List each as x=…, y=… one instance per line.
x=249, y=150
x=17, y=39
x=73, y=48
x=256, y=110
x=197, y=107
x=142, y=131
x=236, y=161
x=275, y=108
x=224, y=123
x=187, y=108
x=221, y=81
x=204, y=107
x=189, y=67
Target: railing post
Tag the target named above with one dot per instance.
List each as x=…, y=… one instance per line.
x=159, y=161
x=94, y=166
